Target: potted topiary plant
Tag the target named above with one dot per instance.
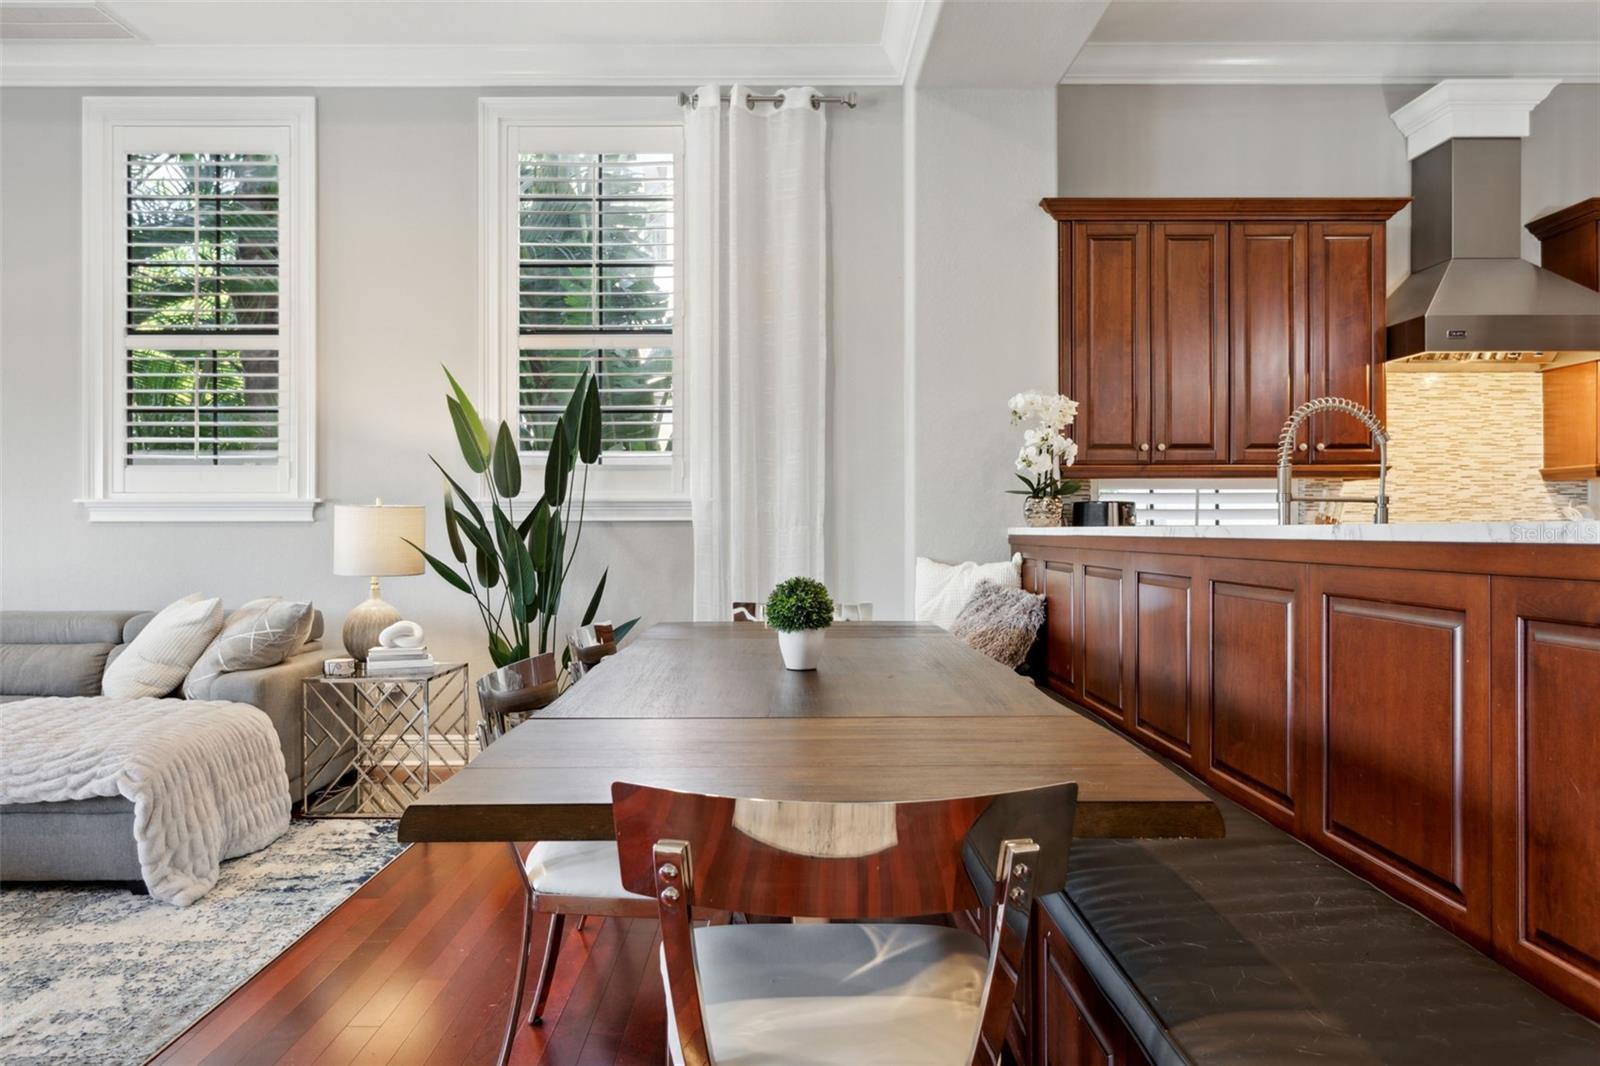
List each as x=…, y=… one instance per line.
x=800, y=609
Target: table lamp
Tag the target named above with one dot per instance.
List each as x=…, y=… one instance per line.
x=369, y=540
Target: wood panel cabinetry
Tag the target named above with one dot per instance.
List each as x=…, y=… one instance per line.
x=1546, y=713
x=1569, y=245
x=1191, y=328
x=1398, y=758
x=1424, y=714
x=1074, y=1023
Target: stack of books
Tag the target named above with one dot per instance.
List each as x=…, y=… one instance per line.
x=399, y=662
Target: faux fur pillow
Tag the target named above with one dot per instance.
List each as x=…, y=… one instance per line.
x=262, y=633
x=156, y=660
x=1000, y=622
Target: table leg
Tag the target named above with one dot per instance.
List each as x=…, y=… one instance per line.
x=512, y=1013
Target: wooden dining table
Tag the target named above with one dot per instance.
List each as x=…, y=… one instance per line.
x=895, y=712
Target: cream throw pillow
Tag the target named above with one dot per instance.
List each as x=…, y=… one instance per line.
x=159, y=657
x=944, y=588
x=262, y=633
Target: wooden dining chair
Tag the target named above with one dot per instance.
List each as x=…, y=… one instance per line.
x=865, y=993
x=589, y=645
x=745, y=611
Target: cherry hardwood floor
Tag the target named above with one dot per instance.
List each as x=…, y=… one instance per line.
x=415, y=969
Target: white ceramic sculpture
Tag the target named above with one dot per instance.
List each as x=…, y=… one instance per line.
x=402, y=634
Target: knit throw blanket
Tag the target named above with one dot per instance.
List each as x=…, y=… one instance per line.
x=206, y=777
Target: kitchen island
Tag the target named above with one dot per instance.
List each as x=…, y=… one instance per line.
x=1421, y=703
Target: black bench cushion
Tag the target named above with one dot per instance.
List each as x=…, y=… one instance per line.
x=1254, y=949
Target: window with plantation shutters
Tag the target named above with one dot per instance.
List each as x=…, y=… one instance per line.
x=200, y=358
x=595, y=288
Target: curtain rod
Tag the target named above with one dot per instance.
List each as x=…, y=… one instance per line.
x=752, y=99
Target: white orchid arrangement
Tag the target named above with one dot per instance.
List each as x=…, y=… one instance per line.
x=1045, y=446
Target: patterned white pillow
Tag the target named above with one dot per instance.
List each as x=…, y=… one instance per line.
x=155, y=663
x=944, y=588
x=262, y=633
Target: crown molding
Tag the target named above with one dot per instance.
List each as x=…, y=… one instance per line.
x=132, y=64
x=903, y=26
x=1317, y=63
x=1470, y=107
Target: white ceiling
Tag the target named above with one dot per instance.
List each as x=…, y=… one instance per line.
x=822, y=42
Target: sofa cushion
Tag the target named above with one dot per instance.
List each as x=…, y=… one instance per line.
x=1000, y=622
x=1254, y=949
x=942, y=589
x=52, y=669
x=64, y=627
x=262, y=633
x=156, y=660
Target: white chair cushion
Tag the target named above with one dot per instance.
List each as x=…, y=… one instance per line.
x=576, y=868
x=837, y=995
x=943, y=589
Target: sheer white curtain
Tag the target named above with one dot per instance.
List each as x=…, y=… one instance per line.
x=756, y=254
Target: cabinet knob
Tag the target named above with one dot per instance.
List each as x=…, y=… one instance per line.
x=1302, y=446
x=1161, y=447
x=1321, y=447
x=1144, y=447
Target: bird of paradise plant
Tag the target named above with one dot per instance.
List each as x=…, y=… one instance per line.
x=515, y=568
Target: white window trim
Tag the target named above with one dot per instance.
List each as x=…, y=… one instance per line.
x=103, y=116
x=635, y=488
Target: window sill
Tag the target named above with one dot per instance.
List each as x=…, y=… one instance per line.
x=199, y=509
x=608, y=510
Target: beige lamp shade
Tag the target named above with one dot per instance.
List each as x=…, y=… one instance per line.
x=370, y=540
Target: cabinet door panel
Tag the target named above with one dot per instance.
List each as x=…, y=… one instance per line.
x=1102, y=672
x=1547, y=782
x=1267, y=293
x=1400, y=744
x=1061, y=634
x=1075, y=1025
x=1111, y=340
x=1189, y=342
x=1347, y=335
x=1253, y=709
x=1163, y=642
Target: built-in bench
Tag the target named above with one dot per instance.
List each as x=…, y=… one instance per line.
x=1256, y=949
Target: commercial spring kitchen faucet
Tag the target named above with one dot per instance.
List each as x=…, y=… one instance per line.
x=1286, y=496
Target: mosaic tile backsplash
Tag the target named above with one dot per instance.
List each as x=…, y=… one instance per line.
x=1464, y=447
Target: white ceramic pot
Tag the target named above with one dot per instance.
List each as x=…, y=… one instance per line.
x=802, y=648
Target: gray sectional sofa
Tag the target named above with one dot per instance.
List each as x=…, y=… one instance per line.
x=64, y=653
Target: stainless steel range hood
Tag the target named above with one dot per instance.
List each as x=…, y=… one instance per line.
x=1472, y=301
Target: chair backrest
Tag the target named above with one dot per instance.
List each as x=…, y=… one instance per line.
x=840, y=860
x=837, y=860
x=590, y=644
x=746, y=612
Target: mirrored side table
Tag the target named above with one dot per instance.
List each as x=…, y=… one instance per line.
x=371, y=745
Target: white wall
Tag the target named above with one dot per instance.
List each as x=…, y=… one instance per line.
x=397, y=297
x=1560, y=156
x=984, y=314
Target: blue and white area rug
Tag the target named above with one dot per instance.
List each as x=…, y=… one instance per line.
x=100, y=977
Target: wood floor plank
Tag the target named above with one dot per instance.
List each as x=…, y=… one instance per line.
x=417, y=967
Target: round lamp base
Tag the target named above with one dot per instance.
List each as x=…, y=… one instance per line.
x=363, y=624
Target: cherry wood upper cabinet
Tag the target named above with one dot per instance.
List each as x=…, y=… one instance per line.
x=1189, y=342
x=1110, y=364
x=1191, y=328
x=1569, y=244
x=1346, y=335
x=1269, y=292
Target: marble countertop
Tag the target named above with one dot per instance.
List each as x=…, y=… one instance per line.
x=1438, y=532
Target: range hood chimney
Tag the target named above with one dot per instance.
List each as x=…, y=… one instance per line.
x=1472, y=301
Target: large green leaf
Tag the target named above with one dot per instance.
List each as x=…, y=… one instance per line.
x=504, y=654
x=539, y=532
x=477, y=456
x=468, y=506
x=520, y=577
x=589, y=437
x=507, y=468
x=452, y=528
x=488, y=569
x=594, y=601
x=573, y=415
x=557, y=467
x=621, y=631
x=446, y=571
x=479, y=434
